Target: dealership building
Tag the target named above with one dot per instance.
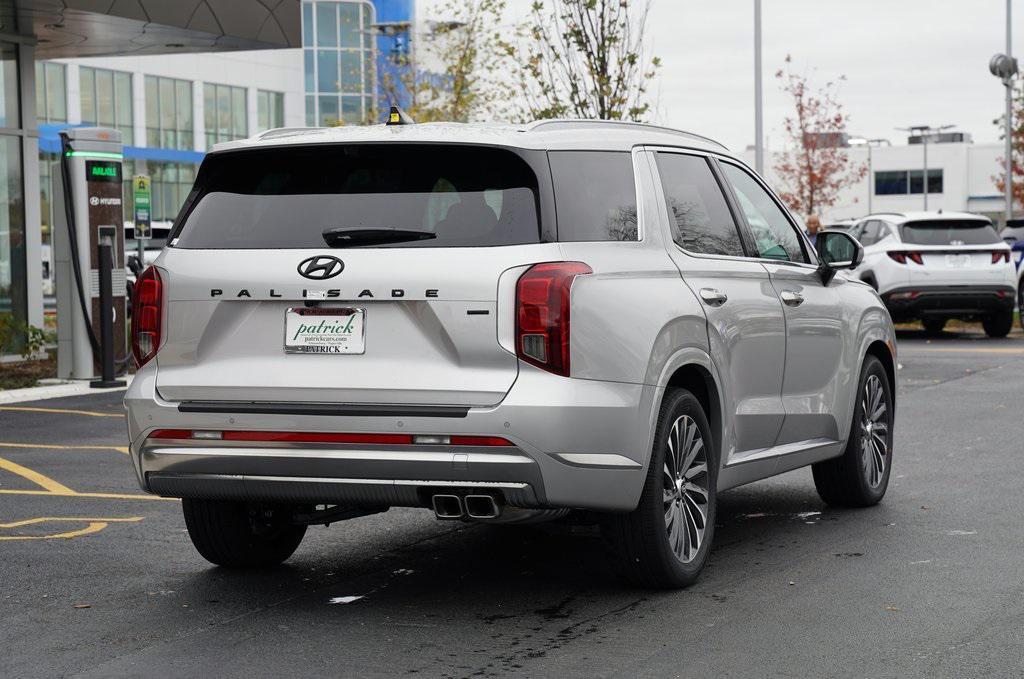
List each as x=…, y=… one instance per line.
x=961, y=177
x=174, y=78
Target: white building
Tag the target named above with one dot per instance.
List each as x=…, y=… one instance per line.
x=961, y=178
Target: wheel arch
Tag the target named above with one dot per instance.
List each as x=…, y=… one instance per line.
x=693, y=369
x=880, y=350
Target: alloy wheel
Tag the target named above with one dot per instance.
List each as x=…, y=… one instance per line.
x=874, y=431
x=686, y=488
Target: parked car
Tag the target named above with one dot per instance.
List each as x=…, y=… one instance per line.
x=501, y=324
x=1013, y=235
x=933, y=266
x=840, y=225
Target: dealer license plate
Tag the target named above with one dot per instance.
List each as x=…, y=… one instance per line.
x=324, y=331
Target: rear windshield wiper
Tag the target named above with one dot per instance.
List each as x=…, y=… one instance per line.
x=354, y=237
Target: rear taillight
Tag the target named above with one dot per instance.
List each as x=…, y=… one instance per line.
x=542, y=314
x=901, y=256
x=1000, y=256
x=147, y=312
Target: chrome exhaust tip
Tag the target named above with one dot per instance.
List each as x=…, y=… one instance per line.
x=447, y=506
x=482, y=507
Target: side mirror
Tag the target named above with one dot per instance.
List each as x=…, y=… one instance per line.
x=837, y=250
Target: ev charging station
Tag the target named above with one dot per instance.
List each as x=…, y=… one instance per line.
x=89, y=256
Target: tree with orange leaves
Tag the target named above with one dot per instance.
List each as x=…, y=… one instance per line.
x=1016, y=144
x=816, y=166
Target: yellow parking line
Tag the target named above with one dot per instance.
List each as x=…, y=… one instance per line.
x=54, y=446
x=95, y=526
x=104, y=496
x=57, y=489
x=35, y=477
x=44, y=519
x=63, y=411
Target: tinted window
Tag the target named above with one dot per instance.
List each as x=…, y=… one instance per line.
x=869, y=234
x=595, y=195
x=701, y=221
x=949, y=232
x=774, y=236
x=287, y=198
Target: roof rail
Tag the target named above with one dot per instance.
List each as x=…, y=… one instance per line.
x=894, y=214
x=276, y=132
x=582, y=123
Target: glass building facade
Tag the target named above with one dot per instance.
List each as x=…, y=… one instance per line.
x=350, y=47
x=338, y=61
x=107, y=100
x=14, y=301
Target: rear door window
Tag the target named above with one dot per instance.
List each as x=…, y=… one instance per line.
x=700, y=218
x=595, y=195
x=869, y=234
x=949, y=232
x=458, y=196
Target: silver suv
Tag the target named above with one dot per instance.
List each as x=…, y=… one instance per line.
x=502, y=324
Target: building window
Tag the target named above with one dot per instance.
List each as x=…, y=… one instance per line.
x=906, y=182
x=171, y=183
x=51, y=92
x=168, y=113
x=13, y=270
x=9, y=100
x=224, y=111
x=269, y=110
x=338, y=61
x=107, y=100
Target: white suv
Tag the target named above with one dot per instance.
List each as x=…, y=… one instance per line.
x=933, y=266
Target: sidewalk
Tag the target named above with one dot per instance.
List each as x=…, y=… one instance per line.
x=63, y=388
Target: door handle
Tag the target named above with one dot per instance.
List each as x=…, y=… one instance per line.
x=791, y=298
x=713, y=297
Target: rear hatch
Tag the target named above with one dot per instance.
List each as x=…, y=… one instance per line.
x=360, y=273
x=954, y=252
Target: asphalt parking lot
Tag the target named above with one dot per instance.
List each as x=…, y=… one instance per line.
x=99, y=580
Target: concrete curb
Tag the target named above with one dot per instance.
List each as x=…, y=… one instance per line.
x=69, y=388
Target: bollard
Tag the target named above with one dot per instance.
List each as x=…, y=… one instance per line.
x=106, y=380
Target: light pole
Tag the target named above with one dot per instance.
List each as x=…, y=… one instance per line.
x=758, y=103
x=870, y=143
x=1004, y=67
x=924, y=131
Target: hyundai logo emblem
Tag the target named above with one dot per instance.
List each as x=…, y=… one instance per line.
x=321, y=267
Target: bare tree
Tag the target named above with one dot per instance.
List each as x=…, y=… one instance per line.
x=456, y=73
x=816, y=166
x=584, y=59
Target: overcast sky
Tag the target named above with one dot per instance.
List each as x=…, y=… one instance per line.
x=907, y=62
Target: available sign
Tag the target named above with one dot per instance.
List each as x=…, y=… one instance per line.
x=143, y=196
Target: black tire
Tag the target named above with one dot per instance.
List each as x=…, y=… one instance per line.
x=933, y=326
x=641, y=540
x=998, y=324
x=1020, y=303
x=851, y=480
x=239, y=535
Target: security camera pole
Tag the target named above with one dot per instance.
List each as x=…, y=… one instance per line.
x=1004, y=67
x=758, y=96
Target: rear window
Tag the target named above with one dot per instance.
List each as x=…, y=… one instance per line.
x=595, y=195
x=949, y=232
x=288, y=197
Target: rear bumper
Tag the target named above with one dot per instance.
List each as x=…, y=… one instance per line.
x=577, y=444
x=913, y=302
